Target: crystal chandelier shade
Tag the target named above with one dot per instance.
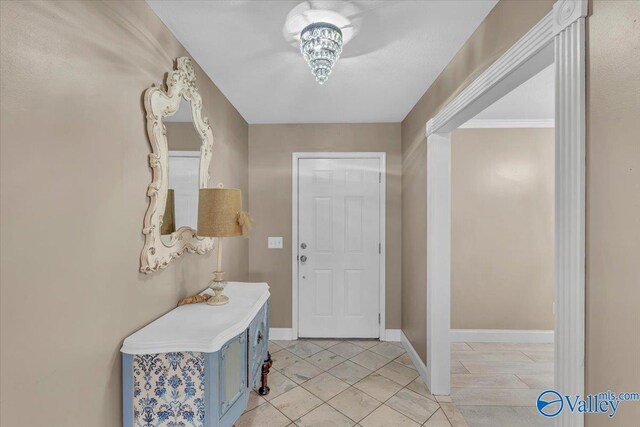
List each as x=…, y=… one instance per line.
x=321, y=46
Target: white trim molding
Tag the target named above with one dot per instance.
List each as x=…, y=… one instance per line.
x=501, y=335
x=570, y=190
x=415, y=358
x=391, y=335
x=559, y=37
x=507, y=123
x=295, y=157
x=281, y=334
x=439, y=261
x=286, y=334
x=534, y=50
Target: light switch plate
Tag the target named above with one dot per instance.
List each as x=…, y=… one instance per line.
x=275, y=243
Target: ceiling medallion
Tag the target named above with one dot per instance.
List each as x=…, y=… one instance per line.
x=321, y=46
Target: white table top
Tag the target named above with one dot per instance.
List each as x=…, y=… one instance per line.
x=200, y=327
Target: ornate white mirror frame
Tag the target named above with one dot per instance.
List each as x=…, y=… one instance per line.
x=160, y=103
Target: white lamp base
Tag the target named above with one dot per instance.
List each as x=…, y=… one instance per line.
x=218, y=300
x=217, y=285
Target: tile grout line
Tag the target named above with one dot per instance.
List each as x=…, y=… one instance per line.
x=351, y=385
x=383, y=403
x=528, y=386
x=327, y=372
x=528, y=359
x=434, y=413
x=357, y=422
x=527, y=356
x=456, y=408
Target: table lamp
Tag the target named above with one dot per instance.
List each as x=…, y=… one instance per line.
x=220, y=215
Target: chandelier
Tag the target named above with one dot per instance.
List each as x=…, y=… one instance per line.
x=321, y=46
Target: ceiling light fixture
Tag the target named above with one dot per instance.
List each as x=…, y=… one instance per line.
x=321, y=46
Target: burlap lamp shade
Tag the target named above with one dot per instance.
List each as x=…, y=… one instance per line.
x=219, y=210
x=220, y=215
x=169, y=217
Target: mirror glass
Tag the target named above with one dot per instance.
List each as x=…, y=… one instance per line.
x=184, y=172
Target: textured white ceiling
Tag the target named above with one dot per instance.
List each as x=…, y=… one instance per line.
x=400, y=48
x=534, y=99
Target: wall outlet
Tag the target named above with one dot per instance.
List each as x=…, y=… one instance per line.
x=274, y=243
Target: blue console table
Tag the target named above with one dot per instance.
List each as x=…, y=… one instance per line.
x=196, y=365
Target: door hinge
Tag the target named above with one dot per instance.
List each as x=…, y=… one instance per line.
x=379, y=248
x=380, y=177
x=379, y=317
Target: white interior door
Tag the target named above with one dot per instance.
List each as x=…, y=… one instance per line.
x=339, y=247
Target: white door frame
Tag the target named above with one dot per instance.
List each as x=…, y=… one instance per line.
x=294, y=228
x=559, y=37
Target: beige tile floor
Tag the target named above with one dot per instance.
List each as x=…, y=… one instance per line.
x=496, y=385
x=363, y=383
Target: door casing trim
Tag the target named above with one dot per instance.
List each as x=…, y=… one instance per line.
x=558, y=38
x=295, y=157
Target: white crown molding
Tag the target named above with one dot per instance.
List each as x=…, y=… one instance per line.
x=501, y=335
x=508, y=123
x=473, y=96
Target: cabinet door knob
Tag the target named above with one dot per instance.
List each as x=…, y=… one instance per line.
x=303, y=258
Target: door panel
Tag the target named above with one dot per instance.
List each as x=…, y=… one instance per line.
x=338, y=270
x=353, y=224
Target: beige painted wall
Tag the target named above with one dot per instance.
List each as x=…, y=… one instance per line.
x=504, y=25
x=613, y=205
x=74, y=175
x=270, y=150
x=502, y=238
x=182, y=136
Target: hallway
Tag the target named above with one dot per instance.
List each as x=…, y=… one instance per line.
x=497, y=384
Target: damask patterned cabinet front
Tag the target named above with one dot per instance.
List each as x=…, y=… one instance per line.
x=196, y=365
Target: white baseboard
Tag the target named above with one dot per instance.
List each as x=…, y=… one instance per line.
x=284, y=334
x=501, y=335
x=394, y=335
x=415, y=358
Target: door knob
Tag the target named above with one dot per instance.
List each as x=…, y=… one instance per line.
x=303, y=258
